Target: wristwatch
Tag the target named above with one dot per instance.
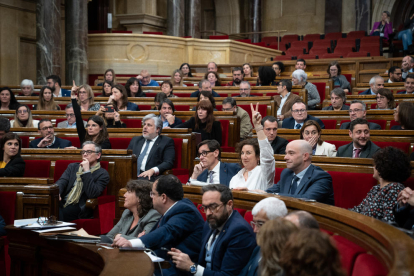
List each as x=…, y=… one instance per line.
x=193, y=269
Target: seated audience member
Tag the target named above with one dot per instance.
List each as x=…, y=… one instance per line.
x=358, y=110
x=139, y=217
x=212, y=67
x=301, y=65
x=12, y=164
x=407, y=66
x=272, y=238
x=361, y=146
x=206, y=96
x=4, y=126
x=7, y=99
x=27, y=88
x=266, y=76
x=180, y=227
x=247, y=70
x=85, y=98
x=133, y=88
x=23, y=118
x=111, y=119
x=278, y=67
x=158, y=153
x=256, y=157
x=278, y=143
x=211, y=170
x=204, y=85
x=237, y=77
x=106, y=88
x=375, y=83
x=302, y=219
x=338, y=100
x=71, y=121
x=186, y=69
x=95, y=129
x=55, y=84
x=299, y=117
x=391, y=168
x=311, y=132
x=268, y=209
x=177, y=78
x=409, y=85
x=167, y=110
x=403, y=213
x=285, y=100
x=334, y=72
x=385, y=99
x=403, y=114
x=157, y=99
x=204, y=122
x=310, y=252
x=245, y=90
x=48, y=138
x=167, y=88
x=299, y=77
x=230, y=104
x=110, y=76
x=119, y=99
x=301, y=179
x=145, y=79
x=46, y=101
x=227, y=241
x=81, y=181
x=213, y=78
x=394, y=74
x=382, y=28
x=406, y=35
x=2, y=225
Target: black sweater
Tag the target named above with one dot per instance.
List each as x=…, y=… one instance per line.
x=214, y=134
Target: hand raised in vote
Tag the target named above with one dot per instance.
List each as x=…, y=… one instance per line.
x=74, y=90
x=181, y=260
x=121, y=242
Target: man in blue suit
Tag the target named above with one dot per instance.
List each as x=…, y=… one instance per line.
x=375, y=83
x=204, y=85
x=408, y=84
x=48, y=139
x=299, y=117
x=167, y=109
x=180, y=226
x=55, y=83
x=211, y=170
x=228, y=240
x=301, y=179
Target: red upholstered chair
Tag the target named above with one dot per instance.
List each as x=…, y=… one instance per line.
x=404, y=146
x=25, y=141
x=182, y=107
x=241, y=211
x=295, y=52
x=132, y=123
x=224, y=132
x=150, y=94
x=320, y=86
x=269, y=39
x=8, y=212
x=178, y=171
x=329, y=124
x=119, y=143
x=333, y=36
x=145, y=107
x=262, y=44
x=349, y=251
x=318, y=51
x=278, y=172
x=201, y=212
x=373, y=50
x=323, y=44
x=308, y=56
x=338, y=143
x=74, y=140
x=382, y=123
x=287, y=57
x=343, y=42
x=262, y=109
x=312, y=37
x=367, y=265
x=248, y=216
x=358, y=54
x=356, y=34
x=245, y=40
x=300, y=45
x=37, y=168
x=392, y=123
x=334, y=55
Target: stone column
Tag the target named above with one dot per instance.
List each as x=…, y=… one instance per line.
x=76, y=41
x=176, y=17
x=363, y=15
x=48, y=45
x=193, y=18
x=333, y=16
x=255, y=19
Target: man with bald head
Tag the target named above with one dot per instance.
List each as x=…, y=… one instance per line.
x=145, y=79
x=301, y=179
x=302, y=219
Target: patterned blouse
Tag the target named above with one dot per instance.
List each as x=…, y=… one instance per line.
x=380, y=202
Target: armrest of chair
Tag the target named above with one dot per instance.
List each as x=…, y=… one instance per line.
x=93, y=202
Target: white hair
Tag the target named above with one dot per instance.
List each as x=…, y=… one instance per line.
x=372, y=80
x=273, y=207
x=300, y=75
x=27, y=82
x=246, y=82
x=156, y=119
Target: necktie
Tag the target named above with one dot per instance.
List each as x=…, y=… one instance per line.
x=297, y=126
x=142, y=155
x=294, y=185
x=210, y=177
x=215, y=233
x=357, y=152
x=159, y=222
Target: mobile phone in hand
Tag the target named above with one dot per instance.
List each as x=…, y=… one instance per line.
x=109, y=109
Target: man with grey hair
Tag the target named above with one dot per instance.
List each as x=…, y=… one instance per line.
x=302, y=219
x=301, y=179
x=81, y=181
x=204, y=85
x=338, y=99
x=245, y=90
x=71, y=119
x=212, y=67
x=229, y=104
x=145, y=79
x=358, y=109
x=407, y=66
x=375, y=83
x=155, y=152
x=237, y=77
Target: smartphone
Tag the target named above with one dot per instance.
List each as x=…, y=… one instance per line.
x=109, y=109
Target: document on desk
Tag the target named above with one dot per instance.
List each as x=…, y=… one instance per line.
x=55, y=229
x=153, y=258
x=32, y=224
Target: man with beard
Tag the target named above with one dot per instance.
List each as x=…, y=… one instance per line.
x=394, y=74
x=407, y=66
x=237, y=77
x=245, y=90
x=227, y=242
x=167, y=110
x=55, y=83
x=361, y=146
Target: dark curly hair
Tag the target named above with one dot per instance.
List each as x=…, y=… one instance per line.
x=142, y=189
x=392, y=164
x=251, y=142
x=266, y=75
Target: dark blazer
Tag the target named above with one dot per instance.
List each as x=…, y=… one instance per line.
x=132, y=106
x=403, y=92
x=65, y=92
x=396, y=127
x=177, y=121
x=290, y=122
x=195, y=94
x=162, y=153
x=404, y=217
x=279, y=145
x=412, y=156
x=14, y=168
x=216, y=131
x=238, y=96
x=367, y=92
x=232, y=248
x=252, y=267
x=93, y=186
x=367, y=152
x=181, y=228
x=316, y=184
x=59, y=143
x=2, y=225
x=344, y=107
x=372, y=126
x=227, y=171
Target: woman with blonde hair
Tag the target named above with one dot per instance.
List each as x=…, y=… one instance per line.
x=23, y=118
x=177, y=78
x=46, y=101
x=85, y=97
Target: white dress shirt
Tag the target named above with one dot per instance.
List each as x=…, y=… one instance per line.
x=282, y=102
x=144, y=161
x=216, y=177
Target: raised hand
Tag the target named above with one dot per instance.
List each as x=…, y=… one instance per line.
x=256, y=117
x=313, y=140
x=74, y=90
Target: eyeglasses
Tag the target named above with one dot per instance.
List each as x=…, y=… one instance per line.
x=88, y=152
x=22, y=111
x=354, y=110
x=258, y=224
x=46, y=128
x=212, y=207
x=70, y=115
x=43, y=221
x=204, y=153
x=299, y=110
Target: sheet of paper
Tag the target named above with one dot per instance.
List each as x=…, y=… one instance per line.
x=21, y=222
x=55, y=229
x=153, y=258
x=80, y=233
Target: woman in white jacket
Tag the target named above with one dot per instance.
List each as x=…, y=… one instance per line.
x=311, y=132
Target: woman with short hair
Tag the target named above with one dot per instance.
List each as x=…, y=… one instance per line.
x=27, y=88
x=167, y=88
x=334, y=72
x=299, y=77
x=11, y=164
x=23, y=118
x=385, y=99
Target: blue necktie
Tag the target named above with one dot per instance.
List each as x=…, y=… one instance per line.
x=211, y=177
x=297, y=126
x=294, y=185
x=142, y=155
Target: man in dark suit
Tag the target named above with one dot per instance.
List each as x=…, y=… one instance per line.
x=301, y=179
x=48, y=139
x=237, y=77
x=211, y=170
x=154, y=151
x=55, y=83
x=180, y=226
x=299, y=116
x=361, y=146
x=81, y=181
x=167, y=110
x=204, y=85
x=228, y=240
x=358, y=109
x=279, y=144
x=375, y=83
x=408, y=84
x=338, y=99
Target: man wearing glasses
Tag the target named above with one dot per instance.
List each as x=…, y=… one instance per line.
x=245, y=89
x=81, y=181
x=230, y=104
x=71, y=119
x=299, y=117
x=228, y=240
x=145, y=79
x=358, y=109
x=48, y=139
